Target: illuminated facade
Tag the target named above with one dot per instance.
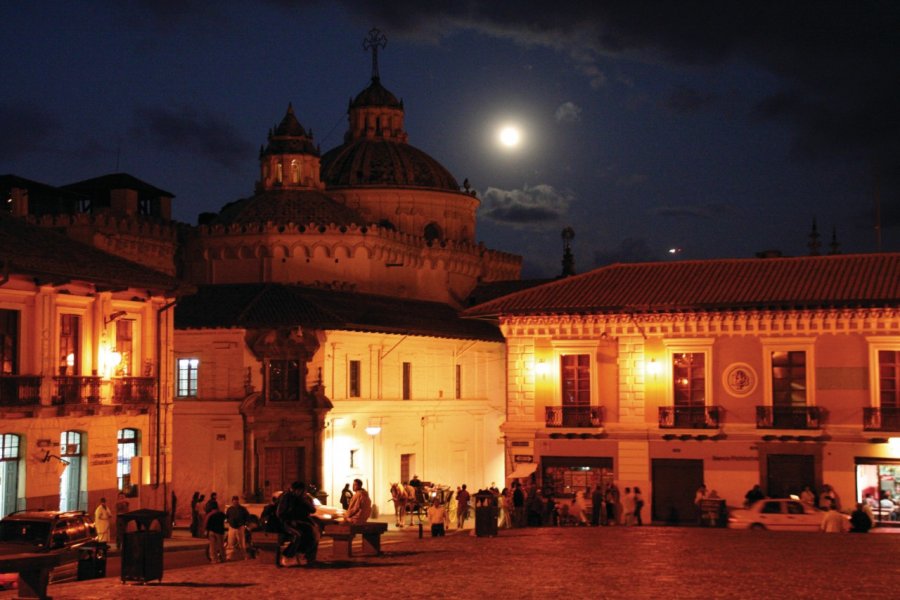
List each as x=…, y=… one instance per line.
x=85, y=377
x=782, y=372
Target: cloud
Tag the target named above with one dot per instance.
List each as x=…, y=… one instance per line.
x=26, y=129
x=684, y=100
x=837, y=64
x=186, y=130
x=630, y=250
x=568, y=112
x=531, y=207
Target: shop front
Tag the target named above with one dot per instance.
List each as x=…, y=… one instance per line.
x=878, y=485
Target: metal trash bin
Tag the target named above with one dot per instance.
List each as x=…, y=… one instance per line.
x=92, y=560
x=486, y=513
x=142, y=549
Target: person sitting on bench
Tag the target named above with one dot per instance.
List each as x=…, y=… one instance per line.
x=360, y=508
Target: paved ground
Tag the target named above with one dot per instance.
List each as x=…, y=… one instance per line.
x=615, y=562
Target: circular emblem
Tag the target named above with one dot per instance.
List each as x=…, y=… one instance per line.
x=740, y=379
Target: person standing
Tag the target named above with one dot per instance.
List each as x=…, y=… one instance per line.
x=755, y=494
x=807, y=496
x=518, y=501
x=212, y=503
x=699, y=497
x=360, y=508
x=346, y=494
x=597, y=505
x=102, y=517
x=215, y=533
x=437, y=515
x=833, y=521
x=628, y=505
x=237, y=516
x=122, y=507
x=638, y=506
x=197, y=515
x=860, y=522
x=462, y=506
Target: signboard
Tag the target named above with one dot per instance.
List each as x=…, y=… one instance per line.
x=523, y=458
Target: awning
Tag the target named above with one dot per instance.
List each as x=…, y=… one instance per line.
x=522, y=470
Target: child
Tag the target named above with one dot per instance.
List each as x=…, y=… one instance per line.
x=437, y=514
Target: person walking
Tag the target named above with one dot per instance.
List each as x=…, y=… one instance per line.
x=462, y=506
x=197, y=514
x=237, y=517
x=360, y=508
x=102, y=517
x=638, y=506
x=215, y=533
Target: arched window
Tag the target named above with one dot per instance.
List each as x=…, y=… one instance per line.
x=433, y=233
x=71, y=444
x=279, y=174
x=295, y=172
x=9, y=472
x=128, y=440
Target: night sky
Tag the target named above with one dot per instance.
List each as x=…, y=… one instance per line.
x=718, y=128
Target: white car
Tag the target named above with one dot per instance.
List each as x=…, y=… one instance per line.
x=777, y=514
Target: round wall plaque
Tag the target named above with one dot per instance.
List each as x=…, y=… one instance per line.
x=740, y=379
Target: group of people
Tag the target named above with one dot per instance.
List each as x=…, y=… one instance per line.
x=105, y=519
x=209, y=520
x=530, y=507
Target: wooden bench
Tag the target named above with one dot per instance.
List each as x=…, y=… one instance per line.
x=34, y=572
x=343, y=534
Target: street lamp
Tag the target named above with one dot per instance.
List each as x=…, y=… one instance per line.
x=373, y=430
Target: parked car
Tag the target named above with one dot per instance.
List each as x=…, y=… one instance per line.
x=45, y=531
x=777, y=514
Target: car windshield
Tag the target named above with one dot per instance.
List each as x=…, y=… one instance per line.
x=34, y=533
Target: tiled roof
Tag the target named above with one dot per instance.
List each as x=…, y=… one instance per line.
x=47, y=255
x=300, y=207
x=277, y=305
x=384, y=163
x=856, y=280
x=116, y=181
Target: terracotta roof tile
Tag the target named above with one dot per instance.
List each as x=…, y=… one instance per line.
x=728, y=284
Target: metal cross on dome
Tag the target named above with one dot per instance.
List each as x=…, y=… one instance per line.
x=373, y=42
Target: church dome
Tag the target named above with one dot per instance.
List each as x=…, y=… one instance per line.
x=383, y=162
x=376, y=95
x=300, y=207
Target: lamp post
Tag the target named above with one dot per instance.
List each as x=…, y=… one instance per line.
x=373, y=430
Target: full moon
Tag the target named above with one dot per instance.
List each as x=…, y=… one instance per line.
x=510, y=136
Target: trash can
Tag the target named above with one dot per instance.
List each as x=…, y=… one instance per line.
x=92, y=560
x=142, y=549
x=486, y=511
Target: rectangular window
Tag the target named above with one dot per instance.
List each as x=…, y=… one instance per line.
x=69, y=345
x=353, y=383
x=789, y=378
x=128, y=449
x=689, y=378
x=187, y=376
x=889, y=378
x=407, y=380
x=576, y=379
x=458, y=382
x=125, y=347
x=284, y=380
x=9, y=342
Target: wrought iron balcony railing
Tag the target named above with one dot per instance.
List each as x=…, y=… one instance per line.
x=75, y=389
x=133, y=390
x=690, y=417
x=574, y=416
x=20, y=390
x=789, y=417
x=881, y=419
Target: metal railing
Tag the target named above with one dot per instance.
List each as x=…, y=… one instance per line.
x=789, y=417
x=881, y=419
x=20, y=390
x=76, y=389
x=690, y=417
x=133, y=390
x=574, y=416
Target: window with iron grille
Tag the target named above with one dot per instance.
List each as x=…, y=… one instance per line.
x=9, y=342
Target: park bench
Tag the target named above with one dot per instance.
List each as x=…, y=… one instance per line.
x=343, y=534
x=34, y=572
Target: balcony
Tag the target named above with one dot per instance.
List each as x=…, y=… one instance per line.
x=20, y=391
x=789, y=417
x=690, y=417
x=76, y=390
x=574, y=416
x=133, y=390
x=881, y=419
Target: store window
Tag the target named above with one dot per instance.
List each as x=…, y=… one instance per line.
x=563, y=476
x=9, y=472
x=188, y=376
x=878, y=486
x=71, y=490
x=127, y=450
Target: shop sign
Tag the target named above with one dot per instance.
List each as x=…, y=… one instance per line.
x=523, y=458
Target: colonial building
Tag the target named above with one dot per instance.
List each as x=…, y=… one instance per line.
x=85, y=372
x=324, y=343
x=782, y=371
